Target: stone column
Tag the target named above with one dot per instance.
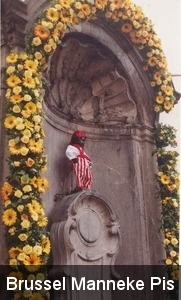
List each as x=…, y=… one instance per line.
x=13, y=22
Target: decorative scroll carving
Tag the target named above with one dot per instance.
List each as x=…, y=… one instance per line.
x=91, y=231
x=85, y=231
x=85, y=85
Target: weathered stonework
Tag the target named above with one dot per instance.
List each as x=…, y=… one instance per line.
x=85, y=231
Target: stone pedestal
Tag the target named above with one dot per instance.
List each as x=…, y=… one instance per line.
x=85, y=233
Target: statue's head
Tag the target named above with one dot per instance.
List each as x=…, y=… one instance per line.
x=78, y=137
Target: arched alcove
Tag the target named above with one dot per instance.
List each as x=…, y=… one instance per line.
x=119, y=127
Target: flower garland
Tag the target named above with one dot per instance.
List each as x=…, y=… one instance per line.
x=27, y=240
x=168, y=194
x=24, y=217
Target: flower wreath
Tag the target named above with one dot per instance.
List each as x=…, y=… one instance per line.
x=24, y=217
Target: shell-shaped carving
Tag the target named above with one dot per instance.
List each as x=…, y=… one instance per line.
x=85, y=84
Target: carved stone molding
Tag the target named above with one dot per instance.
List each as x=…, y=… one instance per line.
x=13, y=23
x=84, y=84
x=85, y=230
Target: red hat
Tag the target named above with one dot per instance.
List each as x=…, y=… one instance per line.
x=79, y=133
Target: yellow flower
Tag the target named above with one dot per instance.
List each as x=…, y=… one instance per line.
x=166, y=241
x=28, y=73
x=168, y=90
x=77, y=5
x=159, y=99
x=9, y=217
x=165, y=179
x=13, y=81
x=8, y=93
x=8, y=202
x=13, y=150
x=31, y=65
x=25, y=224
x=174, y=241
x=31, y=107
x=29, y=82
x=23, y=237
x=34, y=216
x=18, y=193
x=173, y=253
x=27, y=133
x=17, y=90
x=32, y=262
x=36, y=93
x=16, y=99
x=52, y=14
x=43, y=183
x=23, y=55
x=20, y=67
x=168, y=105
x=175, y=204
x=65, y=3
x=42, y=221
x=14, y=252
x=21, y=256
x=34, y=206
x=27, y=188
x=47, y=48
x=168, y=261
x=24, y=150
x=37, y=250
x=10, y=122
x=13, y=262
x=26, y=114
x=10, y=70
x=117, y=3
x=36, y=41
x=27, y=98
x=27, y=249
x=38, y=55
x=46, y=246
x=20, y=208
x=12, y=58
x=100, y=4
x=152, y=61
x=16, y=109
x=36, y=147
x=37, y=119
x=6, y=191
x=86, y=9
x=12, y=230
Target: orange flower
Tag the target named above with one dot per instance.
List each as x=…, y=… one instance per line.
x=127, y=27
x=29, y=162
x=41, y=32
x=6, y=191
x=24, y=217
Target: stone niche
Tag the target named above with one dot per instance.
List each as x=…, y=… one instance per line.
x=95, y=83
